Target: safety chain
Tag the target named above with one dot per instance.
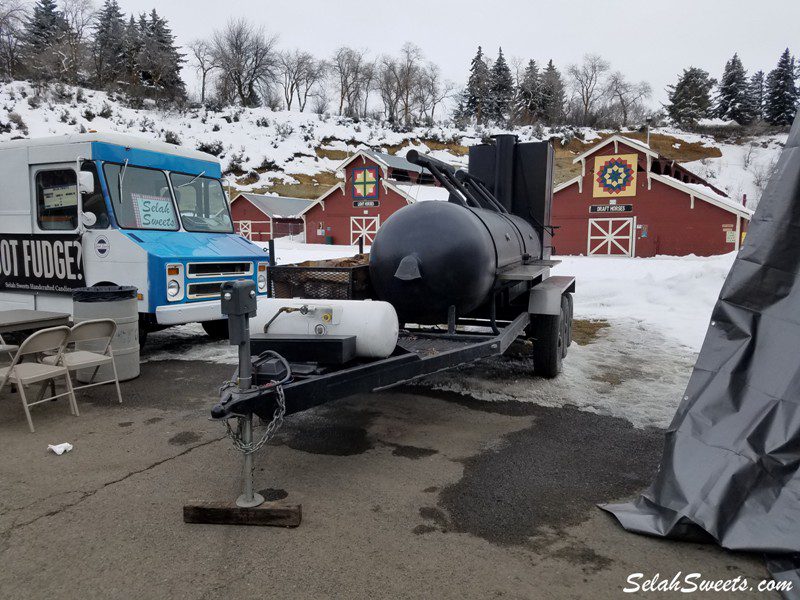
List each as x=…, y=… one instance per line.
x=269, y=431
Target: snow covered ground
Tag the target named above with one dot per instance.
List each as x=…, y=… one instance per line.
x=670, y=295
x=291, y=251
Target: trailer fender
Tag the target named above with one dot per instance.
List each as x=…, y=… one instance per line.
x=545, y=297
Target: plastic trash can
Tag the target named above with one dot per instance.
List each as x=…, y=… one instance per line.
x=120, y=304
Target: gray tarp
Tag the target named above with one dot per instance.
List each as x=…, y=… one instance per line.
x=731, y=456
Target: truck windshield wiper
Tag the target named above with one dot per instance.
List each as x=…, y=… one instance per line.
x=196, y=177
x=120, y=178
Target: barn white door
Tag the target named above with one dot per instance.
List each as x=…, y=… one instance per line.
x=611, y=237
x=245, y=229
x=363, y=226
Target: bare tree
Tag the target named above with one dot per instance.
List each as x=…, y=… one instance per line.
x=432, y=91
x=293, y=66
x=12, y=15
x=203, y=57
x=626, y=95
x=387, y=87
x=587, y=82
x=408, y=75
x=367, y=83
x=246, y=57
x=311, y=83
x=321, y=100
x=346, y=69
x=79, y=17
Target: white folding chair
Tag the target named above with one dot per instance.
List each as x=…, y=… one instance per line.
x=9, y=349
x=24, y=374
x=99, y=331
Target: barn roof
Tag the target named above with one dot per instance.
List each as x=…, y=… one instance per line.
x=386, y=161
x=705, y=193
x=617, y=139
x=277, y=206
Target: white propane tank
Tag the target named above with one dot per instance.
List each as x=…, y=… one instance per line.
x=374, y=323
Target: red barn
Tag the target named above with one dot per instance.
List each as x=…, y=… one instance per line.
x=262, y=218
x=375, y=186
x=631, y=201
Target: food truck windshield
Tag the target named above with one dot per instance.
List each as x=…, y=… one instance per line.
x=142, y=199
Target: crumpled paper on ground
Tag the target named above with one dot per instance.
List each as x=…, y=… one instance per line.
x=60, y=448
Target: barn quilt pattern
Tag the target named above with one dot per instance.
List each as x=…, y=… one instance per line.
x=365, y=182
x=614, y=176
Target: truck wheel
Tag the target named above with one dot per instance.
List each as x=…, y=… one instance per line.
x=216, y=330
x=548, y=344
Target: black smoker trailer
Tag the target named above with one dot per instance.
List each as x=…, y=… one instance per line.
x=506, y=200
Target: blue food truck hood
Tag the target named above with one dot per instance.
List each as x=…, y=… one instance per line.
x=176, y=245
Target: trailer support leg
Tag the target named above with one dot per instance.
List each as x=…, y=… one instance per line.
x=248, y=498
x=250, y=507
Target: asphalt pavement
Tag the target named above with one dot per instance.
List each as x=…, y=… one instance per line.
x=412, y=493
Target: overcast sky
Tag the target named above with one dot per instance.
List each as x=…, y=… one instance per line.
x=646, y=40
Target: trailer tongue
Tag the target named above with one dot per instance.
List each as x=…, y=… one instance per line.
x=479, y=277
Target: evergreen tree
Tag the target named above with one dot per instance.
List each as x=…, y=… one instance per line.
x=108, y=47
x=689, y=99
x=529, y=95
x=159, y=60
x=500, y=92
x=780, y=104
x=477, y=88
x=755, y=96
x=552, y=95
x=45, y=27
x=461, y=113
x=733, y=98
x=131, y=47
x=44, y=35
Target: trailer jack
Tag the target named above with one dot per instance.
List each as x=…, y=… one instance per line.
x=250, y=508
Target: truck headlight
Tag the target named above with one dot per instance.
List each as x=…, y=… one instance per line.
x=173, y=288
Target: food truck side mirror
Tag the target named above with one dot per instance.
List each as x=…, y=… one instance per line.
x=89, y=219
x=86, y=182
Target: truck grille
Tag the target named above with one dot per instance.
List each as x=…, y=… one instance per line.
x=218, y=269
x=196, y=291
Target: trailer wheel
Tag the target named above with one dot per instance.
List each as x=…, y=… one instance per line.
x=566, y=311
x=216, y=330
x=570, y=315
x=548, y=343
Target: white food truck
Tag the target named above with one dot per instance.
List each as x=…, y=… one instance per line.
x=111, y=209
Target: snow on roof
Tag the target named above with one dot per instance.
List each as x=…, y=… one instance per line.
x=387, y=161
x=117, y=139
x=704, y=192
x=277, y=206
x=396, y=162
x=423, y=193
x=616, y=139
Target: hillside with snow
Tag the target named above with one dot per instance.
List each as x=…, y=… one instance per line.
x=294, y=153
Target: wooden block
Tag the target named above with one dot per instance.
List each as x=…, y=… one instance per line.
x=273, y=514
